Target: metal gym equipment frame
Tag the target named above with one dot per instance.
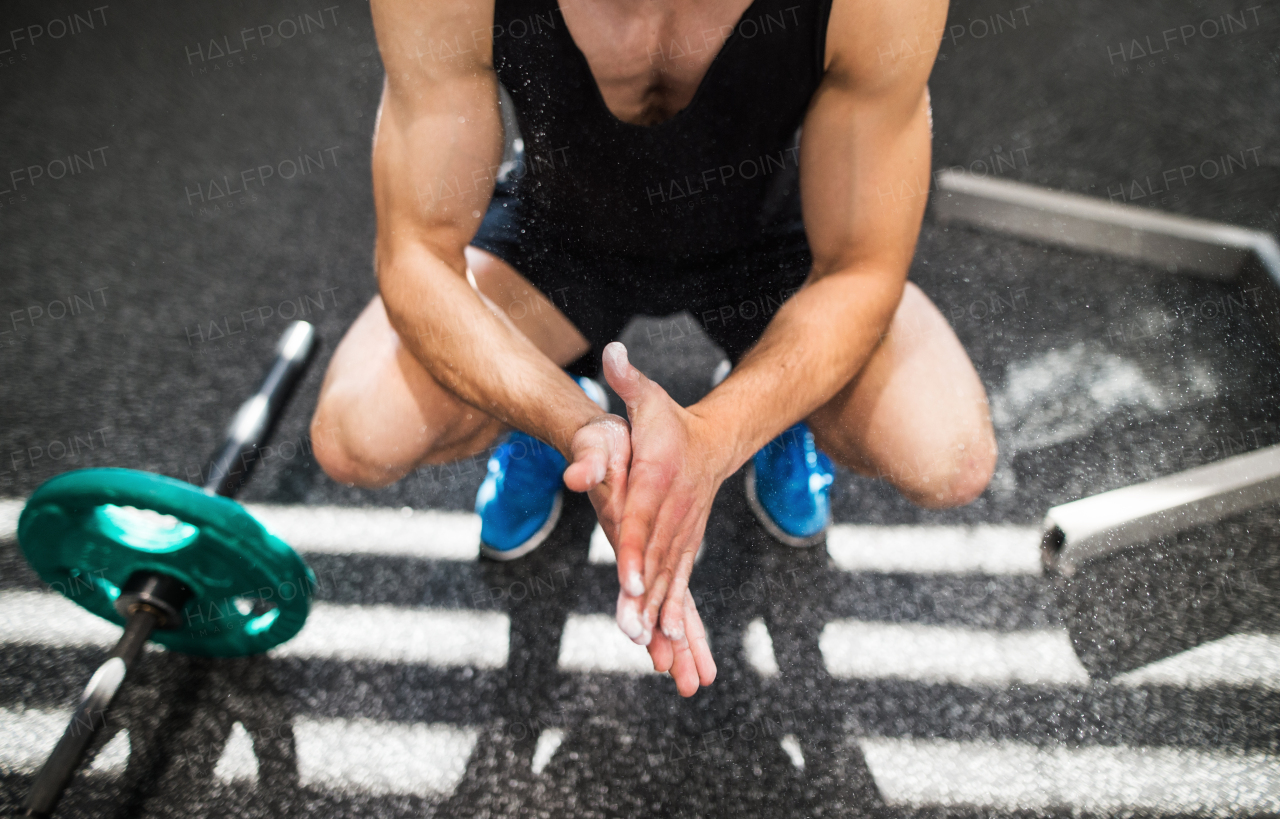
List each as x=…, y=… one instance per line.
x=1092, y=527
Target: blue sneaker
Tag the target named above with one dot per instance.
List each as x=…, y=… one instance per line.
x=520, y=500
x=788, y=486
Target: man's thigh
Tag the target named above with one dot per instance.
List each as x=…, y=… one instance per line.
x=529, y=310
x=380, y=412
x=917, y=414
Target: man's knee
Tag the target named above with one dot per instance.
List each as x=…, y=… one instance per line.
x=341, y=458
x=956, y=478
x=970, y=479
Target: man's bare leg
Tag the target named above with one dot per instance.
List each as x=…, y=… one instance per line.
x=381, y=414
x=917, y=415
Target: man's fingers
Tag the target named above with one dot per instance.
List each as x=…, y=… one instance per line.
x=696, y=634
x=685, y=672
x=629, y=620
x=601, y=452
x=631, y=539
x=629, y=383
x=680, y=560
x=660, y=560
x=644, y=498
x=672, y=616
x=588, y=469
x=668, y=566
x=689, y=661
x=661, y=653
x=656, y=589
x=684, y=668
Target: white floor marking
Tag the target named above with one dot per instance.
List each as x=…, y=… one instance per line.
x=10, y=509
x=1063, y=394
x=439, y=637
x=548, y=742
x=593, y=642
x=382, y=757
x=27, y=735
x=1244, y=660
x=982, y=549
x=600, y=552
x=428, y=533
x=1021, y=776
x=364, y=755
x=758, y=646
x=238, y=762
x=114, y=756
x=851, y=648
x=791, y=745
x=48, y=618
x=946, y=654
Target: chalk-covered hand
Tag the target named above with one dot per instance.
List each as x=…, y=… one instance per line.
x=675, y=473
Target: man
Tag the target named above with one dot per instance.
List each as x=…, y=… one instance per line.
x=662, y=173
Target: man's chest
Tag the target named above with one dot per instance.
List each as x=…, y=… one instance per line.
x=648, y=57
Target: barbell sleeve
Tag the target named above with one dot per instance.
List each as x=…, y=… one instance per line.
x=90, y=715
x=229, y=469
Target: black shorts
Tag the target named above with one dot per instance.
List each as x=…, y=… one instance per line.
x=732, y=296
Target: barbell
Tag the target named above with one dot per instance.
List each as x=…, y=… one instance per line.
x=183, y=565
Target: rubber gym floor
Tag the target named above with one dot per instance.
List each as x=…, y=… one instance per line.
x=919, y=665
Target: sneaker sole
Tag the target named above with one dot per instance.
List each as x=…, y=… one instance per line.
x=532, y=543
x=766, y=521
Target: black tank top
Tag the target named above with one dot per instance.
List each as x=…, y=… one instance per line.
x=720, y=176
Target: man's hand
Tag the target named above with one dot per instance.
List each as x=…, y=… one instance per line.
x=601, y=456
x=676, y=470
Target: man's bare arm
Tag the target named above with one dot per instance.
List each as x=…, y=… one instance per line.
x=865, y=161
x=437, y=145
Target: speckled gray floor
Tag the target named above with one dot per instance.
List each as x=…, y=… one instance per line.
x=1101, y=374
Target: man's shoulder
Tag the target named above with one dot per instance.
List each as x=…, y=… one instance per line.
x=435, y=35
x=874, y=45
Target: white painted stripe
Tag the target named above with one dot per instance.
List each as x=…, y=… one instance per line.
x=238, y=763
x=600, y=552
x=431, y=534
x=983, y=549
x=593, y=642
x=946, y=654
x=758, y=646
x=1243, y=660
x=114, y=756
x=10, y=509
x=438, y=637
x=427, y=533
x=548, y=743
x=1019, y=776
x=381, y=757
x=443, y=535
x=362, y=755
x=851, y=648
x=46, y=618
x=791, y=746
x=28, y=735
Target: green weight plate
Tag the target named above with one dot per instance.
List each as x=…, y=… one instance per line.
x=86, y=532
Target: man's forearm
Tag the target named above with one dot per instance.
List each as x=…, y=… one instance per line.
x=816, y=343
x=476, y=354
